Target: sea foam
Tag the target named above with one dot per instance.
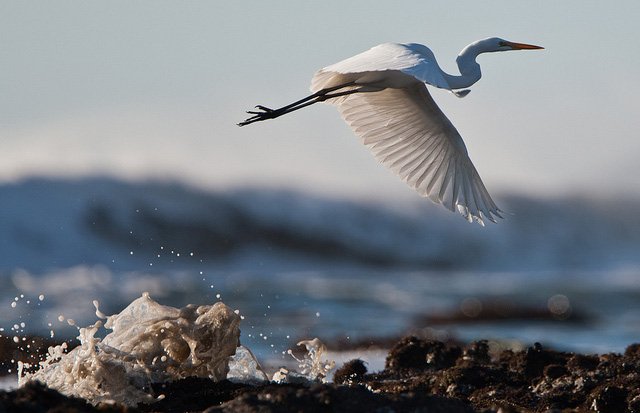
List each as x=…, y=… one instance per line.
x=148, y=343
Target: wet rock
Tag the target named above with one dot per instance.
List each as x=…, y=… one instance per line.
x=609, y=399
x=350, y=371
x=582, y=362
x=634, y=404
x=193, y=392
x=421, y=375
x=554, y=371
x=633, y=351
x=322, y=398
x=477, y=352
x=462, y=381
x=413, y=353
x=36, y=398
x=536, y=358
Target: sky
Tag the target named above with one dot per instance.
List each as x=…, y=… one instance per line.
x=154, y=89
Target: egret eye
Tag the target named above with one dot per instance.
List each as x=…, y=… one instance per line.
x=502, y=44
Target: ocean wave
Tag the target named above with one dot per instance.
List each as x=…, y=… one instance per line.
x=46, y=223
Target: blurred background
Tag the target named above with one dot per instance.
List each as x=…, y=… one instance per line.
x=122, y=170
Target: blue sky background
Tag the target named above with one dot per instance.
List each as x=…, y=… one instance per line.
x=153, y=89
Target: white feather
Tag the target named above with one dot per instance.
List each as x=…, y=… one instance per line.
x=407, y=132
x=369, y=67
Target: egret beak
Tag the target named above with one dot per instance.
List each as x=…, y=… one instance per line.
x=523, y=46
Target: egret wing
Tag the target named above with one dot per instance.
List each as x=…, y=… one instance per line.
x=373, y=65
x=406, y=131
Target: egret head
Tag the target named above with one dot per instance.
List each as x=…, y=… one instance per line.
x=496, y=44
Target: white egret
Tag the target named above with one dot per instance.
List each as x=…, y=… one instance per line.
x=382, y=94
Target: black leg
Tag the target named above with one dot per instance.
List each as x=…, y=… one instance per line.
x=265, y=113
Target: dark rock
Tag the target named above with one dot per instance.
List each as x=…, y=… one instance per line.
x=36, y=398
x=610, y=399
x=582, y=362
x=201, y=392
x=413, y=353
x=477, y=353
x=421, y=375
x=553, y=371
x=633, y=350
x=537, y=358
x=323, y=398
x=350, y=371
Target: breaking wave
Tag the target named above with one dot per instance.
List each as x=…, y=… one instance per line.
x=47, y=224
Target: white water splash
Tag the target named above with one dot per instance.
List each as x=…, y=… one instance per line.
x=149, y=343
x=312, y=367
x=244, y=368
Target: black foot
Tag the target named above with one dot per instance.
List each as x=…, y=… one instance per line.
x=263, y=113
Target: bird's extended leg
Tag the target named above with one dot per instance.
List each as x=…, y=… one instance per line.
x=265, y=113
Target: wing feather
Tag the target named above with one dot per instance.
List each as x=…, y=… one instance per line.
x=415, y=160
x=430, y=163
x=406, y=131
x=411, y=59
x=449, y=173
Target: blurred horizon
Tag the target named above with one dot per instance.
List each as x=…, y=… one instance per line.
x=49, y=223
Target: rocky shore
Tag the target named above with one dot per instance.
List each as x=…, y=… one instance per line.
x=420, y=375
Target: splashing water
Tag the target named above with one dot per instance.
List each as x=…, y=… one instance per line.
x=244, y=368
x=312, y=365
x=148, y=343
x=312, y=368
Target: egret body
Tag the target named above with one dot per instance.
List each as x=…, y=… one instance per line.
x=382, y=94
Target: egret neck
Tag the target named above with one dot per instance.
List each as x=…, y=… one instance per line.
x=469, y=69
